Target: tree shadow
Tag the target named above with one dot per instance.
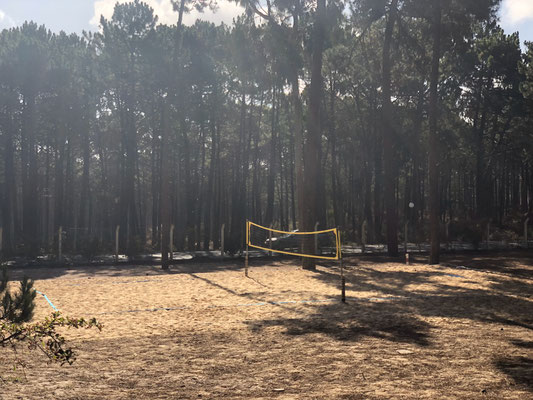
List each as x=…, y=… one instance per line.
x=515, y=263
x=519, y=368
x=342, y=324
x=518, y=263
x=42, y=272
x=403, y=301
x=526, y=344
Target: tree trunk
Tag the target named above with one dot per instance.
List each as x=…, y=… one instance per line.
x=165, y=189
x=433, y=154
x=389, y=155
x=313, y=143
x=9, y=203
x=30, y=210
x=269, y=212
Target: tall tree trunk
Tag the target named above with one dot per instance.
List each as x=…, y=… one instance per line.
x=9, y=203
x=334, y=167
x=313, y=142
x=389, y=155
x=30, y=205
x=155, y=159
x=209, y=216
x=298, y=120
x=237, y=206
x=165, y=212
x=165, y=201
x=269, y=211
x=433, y=154
x=85, y=181
x=378, y=188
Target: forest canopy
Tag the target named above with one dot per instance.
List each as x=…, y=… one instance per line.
x=336, y=112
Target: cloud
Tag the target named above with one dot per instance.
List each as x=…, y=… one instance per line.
x=226, y=11
x=166, y=15
x=6, y=21
x=515, y=11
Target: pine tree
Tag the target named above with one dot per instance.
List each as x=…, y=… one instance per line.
x=18, y=307
x=16, y=310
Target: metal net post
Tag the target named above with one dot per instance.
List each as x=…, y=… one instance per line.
x=343, y=279
x=246, y=255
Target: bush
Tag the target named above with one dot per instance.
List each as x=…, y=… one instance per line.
x=19, y=307
x=16, y=310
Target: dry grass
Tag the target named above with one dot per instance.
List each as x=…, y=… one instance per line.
x=207, y=331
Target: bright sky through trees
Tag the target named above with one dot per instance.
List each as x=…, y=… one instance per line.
x=75, y=16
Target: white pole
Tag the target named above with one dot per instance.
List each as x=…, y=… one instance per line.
x=246, y=257
x=270, y=241
x=525, y=231
x=171, y=246
x=343, y=279
x=222, y=240
x=246, y=261
x=59, y=244
x=343, y=283
x=117, y=230
x=405, y=236
x=363, y=236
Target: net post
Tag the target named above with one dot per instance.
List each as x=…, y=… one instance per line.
x=246, y=255
x=316, y=238
x=343, y=282
x=525, y=232
x=363, y=237
x=222, y=241
x=448, y=235
x=270, y=241
x=117, y=230
x=171, y=240
x=60, y=244
x=405, y=237
x=343, y=279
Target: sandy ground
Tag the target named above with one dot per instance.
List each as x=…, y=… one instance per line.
x=207, y=331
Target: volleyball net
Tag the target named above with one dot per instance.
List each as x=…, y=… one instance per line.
x=324, y=244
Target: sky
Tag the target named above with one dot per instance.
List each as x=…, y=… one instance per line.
x=78, y=15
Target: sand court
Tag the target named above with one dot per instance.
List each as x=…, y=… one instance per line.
x=207, y=330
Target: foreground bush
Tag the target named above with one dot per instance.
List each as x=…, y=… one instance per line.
x=16, y=310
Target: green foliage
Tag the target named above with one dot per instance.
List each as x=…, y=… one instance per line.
x=526, y=67
x=16, y=311
x=18, y=307
x=87, y=114
x=44, y=335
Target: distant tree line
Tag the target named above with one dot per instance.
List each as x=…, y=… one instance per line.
x=299, y=112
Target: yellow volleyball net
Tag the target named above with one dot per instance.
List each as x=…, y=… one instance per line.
x=324, y=244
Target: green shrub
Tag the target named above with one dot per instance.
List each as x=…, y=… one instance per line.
x=16, y=310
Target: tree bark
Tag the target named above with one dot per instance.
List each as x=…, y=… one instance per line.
x=313, y=142
x=433, y=153
x=389, y=154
